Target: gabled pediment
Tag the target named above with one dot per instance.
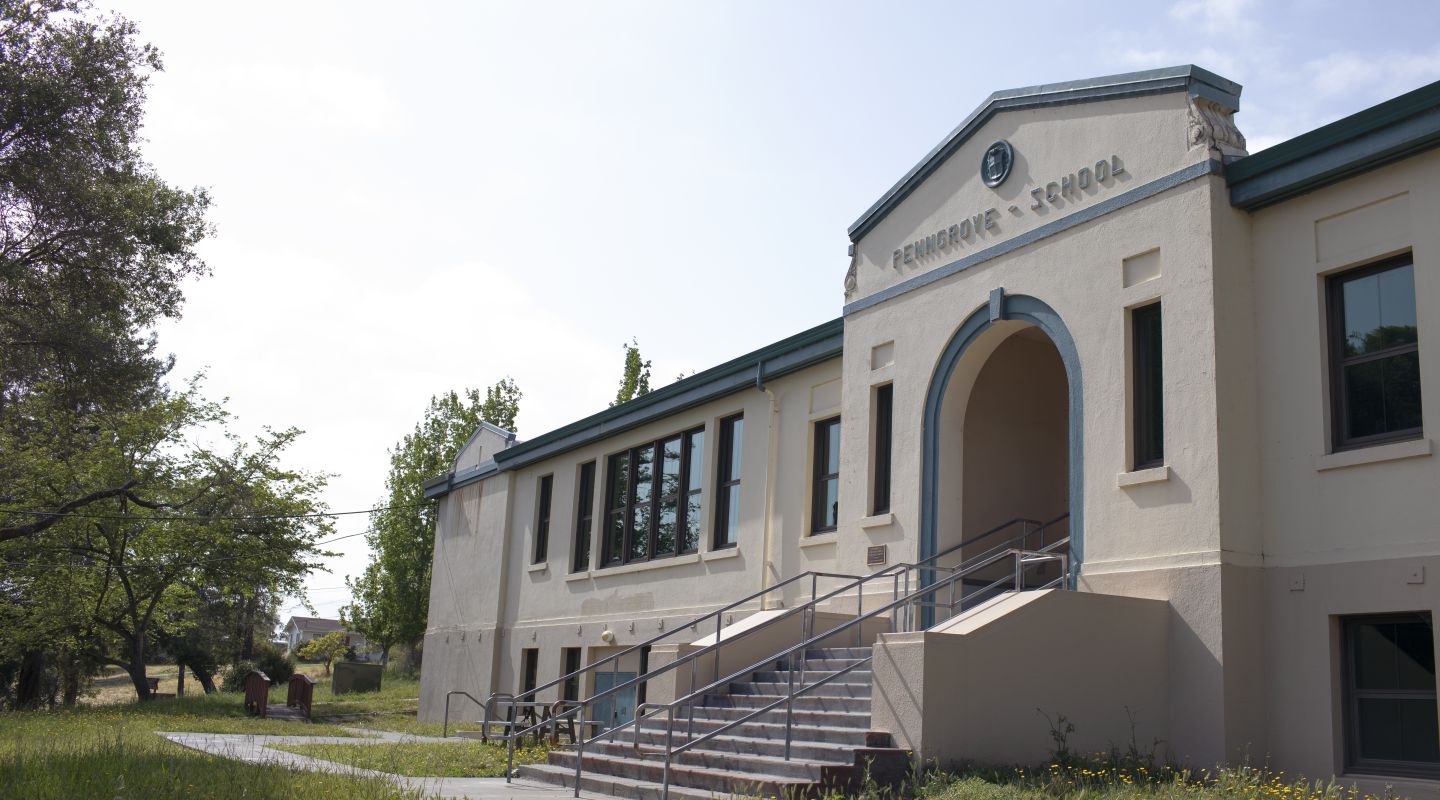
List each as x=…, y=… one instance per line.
x=1027, y=158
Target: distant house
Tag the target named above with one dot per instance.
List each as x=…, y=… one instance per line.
x=300, y=630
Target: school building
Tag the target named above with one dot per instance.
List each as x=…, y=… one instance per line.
x=1117, y=422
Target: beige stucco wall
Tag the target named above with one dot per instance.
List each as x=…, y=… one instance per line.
x=1097, y=660
x=488, y=601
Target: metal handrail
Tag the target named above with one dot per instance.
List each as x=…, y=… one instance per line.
x=445, y=729
x=807, y=610
x=1019, y=555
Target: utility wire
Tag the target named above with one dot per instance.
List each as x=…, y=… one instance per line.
x=218, y=559
x=203, y=518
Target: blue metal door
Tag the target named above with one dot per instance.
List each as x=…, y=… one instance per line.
x=618, y=708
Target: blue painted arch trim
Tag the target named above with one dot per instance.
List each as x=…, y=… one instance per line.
x=1022, y=308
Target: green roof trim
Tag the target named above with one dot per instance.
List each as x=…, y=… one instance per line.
x=1379, y=135
x=804, y=349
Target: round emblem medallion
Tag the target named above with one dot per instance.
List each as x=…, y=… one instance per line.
x=995, y=166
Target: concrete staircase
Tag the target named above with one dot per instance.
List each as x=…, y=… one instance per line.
x=832, y=746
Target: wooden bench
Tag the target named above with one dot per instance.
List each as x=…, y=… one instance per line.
x=301, y=693
x=257, y=693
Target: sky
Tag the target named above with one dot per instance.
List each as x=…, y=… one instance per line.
x=414, y=198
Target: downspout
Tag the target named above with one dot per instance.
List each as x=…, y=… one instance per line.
x=769, y=574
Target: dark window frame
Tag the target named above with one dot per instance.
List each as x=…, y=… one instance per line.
x=819, y=478
x=884, y=446
x=1147, y=390
x=725, y=485
x=658, y=498
x=1351, y=696
x=544, y=502
x=584, y=518
x=529, y=668
x=1335, y=331
x=570, y=663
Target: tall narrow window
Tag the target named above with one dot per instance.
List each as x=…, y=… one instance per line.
x=542, y=521
x=585, y=518
x=825, y=494
x=1390, y=695
x=570, y=690
x=1374, y=355
x=884, y=402
x=529, y=668
x=617, y=508
x=727, y=492
x=1149, y=405
x=694, y=488
x=652, y=500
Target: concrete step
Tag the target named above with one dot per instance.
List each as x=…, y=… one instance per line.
x=775, y=731
x=838, y=719
x=849, y=654
x=812, y=675
x=608, y=784
x=699, y=777
x=813, y=664
x=776, y=688
x=745, y=763
x=830, y=752
x=856, y=705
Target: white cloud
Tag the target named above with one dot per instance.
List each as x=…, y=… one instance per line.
x=1386, y=74
x=1216, y=16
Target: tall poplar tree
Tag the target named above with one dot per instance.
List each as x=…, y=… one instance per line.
x=391, y=601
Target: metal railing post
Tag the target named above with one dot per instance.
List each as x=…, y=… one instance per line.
x=510, y=749
x=790, y=705
x=579, y=755
x=859, y=611
x=445, y=728
x=665, y=782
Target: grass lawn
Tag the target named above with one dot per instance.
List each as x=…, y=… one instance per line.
x=458, y=759
x=111, y=751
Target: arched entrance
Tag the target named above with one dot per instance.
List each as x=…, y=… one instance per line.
x=1003, y=432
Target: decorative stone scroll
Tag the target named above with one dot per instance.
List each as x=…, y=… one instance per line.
x=1213, y=126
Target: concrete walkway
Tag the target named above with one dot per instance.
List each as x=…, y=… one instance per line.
x=257, y=749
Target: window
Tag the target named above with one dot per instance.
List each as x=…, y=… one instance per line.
x=884, y=411
x=1390, y=695
x=1147, y=387
x=727, y=491
x=1374, y=355
x=649, y=495
x=585, y=518
x=825, y=494
x=542, y=521
x=529, y=668
x=570, y=690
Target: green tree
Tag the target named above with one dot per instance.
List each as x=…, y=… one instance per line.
x=325, y=649
x=94, y=246
x=635, y=379
x=129, y=575
x=391, y=600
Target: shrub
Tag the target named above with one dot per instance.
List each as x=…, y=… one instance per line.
x=274, y=663
x=235, y=676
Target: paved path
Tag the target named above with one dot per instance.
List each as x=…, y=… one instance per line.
x=257, y=749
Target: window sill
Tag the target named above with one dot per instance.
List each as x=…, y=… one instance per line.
x=878, y=520
x=817, y=539
x=724, y=552
x=1415, y=448
x=541, y=567
x=1140, y=477
x=643, y=566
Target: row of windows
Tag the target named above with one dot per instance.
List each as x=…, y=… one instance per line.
x=653, y=493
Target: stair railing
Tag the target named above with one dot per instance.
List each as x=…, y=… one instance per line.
x=577, y=712
x=1022, y=559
